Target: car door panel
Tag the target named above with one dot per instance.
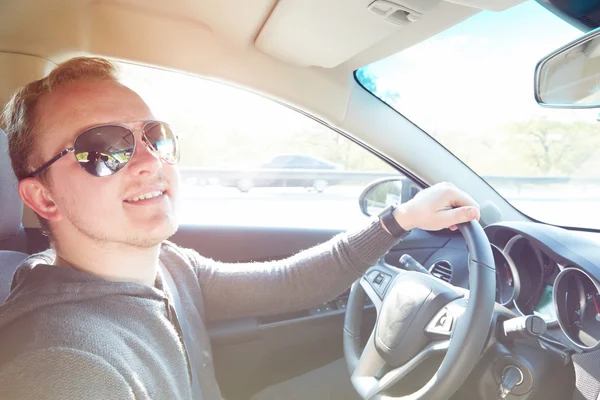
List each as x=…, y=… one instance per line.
x=252, y=353
x=278, y=350
x=248, y=243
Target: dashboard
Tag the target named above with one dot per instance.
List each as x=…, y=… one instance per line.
x=553, y=273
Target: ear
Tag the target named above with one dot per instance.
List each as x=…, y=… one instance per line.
x=37, y=196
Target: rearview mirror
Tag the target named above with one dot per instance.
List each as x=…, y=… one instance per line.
x=570, y=76
x=385, y=192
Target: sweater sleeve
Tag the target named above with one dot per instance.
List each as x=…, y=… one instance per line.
x=300, y=282
x=61, y=373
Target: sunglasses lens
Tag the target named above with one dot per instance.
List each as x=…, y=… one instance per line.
x=104, y=150
x=163, y=141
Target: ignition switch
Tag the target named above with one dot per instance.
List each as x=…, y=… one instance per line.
x=511, y=377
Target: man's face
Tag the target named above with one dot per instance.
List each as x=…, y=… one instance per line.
x=100, y=207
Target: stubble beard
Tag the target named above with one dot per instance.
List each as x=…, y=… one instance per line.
x=140, y=241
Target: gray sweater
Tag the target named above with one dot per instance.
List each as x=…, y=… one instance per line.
x=66, y=334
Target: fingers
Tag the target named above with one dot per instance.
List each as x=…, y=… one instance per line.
x=460, y=215
x=438, y=207
x=462, y=199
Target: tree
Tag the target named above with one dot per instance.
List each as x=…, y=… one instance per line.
x=554, y=148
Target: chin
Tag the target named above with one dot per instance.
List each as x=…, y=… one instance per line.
x=145, y=237
x=152, y=237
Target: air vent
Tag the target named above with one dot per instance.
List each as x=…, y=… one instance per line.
x=588, y=21
x=442, y=270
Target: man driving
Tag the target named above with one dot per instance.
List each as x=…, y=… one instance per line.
x=113, y=310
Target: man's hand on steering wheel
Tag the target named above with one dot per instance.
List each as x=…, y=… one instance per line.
x=437, y=207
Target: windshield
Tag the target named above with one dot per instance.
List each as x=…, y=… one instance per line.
x=471, y=88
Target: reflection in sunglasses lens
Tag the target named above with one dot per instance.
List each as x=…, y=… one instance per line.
x=103, y=151
x=163, y=141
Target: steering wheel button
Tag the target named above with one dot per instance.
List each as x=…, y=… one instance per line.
x=373, y=276
x=445, y=322
x=381, y=289
x=441, y=323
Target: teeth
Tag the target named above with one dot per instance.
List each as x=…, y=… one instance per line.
x=145, y=196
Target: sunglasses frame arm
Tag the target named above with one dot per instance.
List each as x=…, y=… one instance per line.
x=51, y=161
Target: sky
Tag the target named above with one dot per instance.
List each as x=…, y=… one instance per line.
x=479, y=74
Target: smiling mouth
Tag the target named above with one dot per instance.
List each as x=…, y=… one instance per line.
x=146, y=196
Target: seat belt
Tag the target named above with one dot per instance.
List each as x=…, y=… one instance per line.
x=170, y=283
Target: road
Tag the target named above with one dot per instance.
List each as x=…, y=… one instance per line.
x=337, y=207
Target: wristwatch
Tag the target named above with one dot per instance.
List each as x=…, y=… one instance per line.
x=389, y=221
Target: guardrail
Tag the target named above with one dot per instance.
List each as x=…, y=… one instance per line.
x=284, y=174
x=548, y=180
x=351, y=175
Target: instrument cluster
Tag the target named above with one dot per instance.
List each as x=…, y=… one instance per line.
x=533, y=283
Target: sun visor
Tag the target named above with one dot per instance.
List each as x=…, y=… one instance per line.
x=327, y=33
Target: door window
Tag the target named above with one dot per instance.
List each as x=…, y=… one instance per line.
x=247, y=160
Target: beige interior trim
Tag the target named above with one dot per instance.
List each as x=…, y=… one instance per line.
x=215, y=39
x=329, y=33
x=339, y=29
x=17, y=70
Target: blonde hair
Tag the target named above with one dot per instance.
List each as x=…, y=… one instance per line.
x=19, y=115
x=19, y=118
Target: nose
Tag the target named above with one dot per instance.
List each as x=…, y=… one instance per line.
x=144, y=161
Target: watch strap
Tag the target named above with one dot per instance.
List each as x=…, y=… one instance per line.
x=389, y=221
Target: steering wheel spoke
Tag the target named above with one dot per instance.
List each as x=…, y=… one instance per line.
x=371, y=378
x=368, y=368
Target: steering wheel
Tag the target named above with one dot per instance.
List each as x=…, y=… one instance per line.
x=419, y=316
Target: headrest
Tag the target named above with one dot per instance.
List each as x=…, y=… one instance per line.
x=11, y=206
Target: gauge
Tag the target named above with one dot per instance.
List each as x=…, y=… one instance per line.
x=530, y=275
x=549, y=266
x=506, y=279
x=578, y=305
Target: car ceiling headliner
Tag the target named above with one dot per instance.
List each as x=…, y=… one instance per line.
x=299, y=51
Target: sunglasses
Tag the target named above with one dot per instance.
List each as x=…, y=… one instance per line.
x=106, y=149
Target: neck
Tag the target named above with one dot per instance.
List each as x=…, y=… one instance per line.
x=112, y=261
